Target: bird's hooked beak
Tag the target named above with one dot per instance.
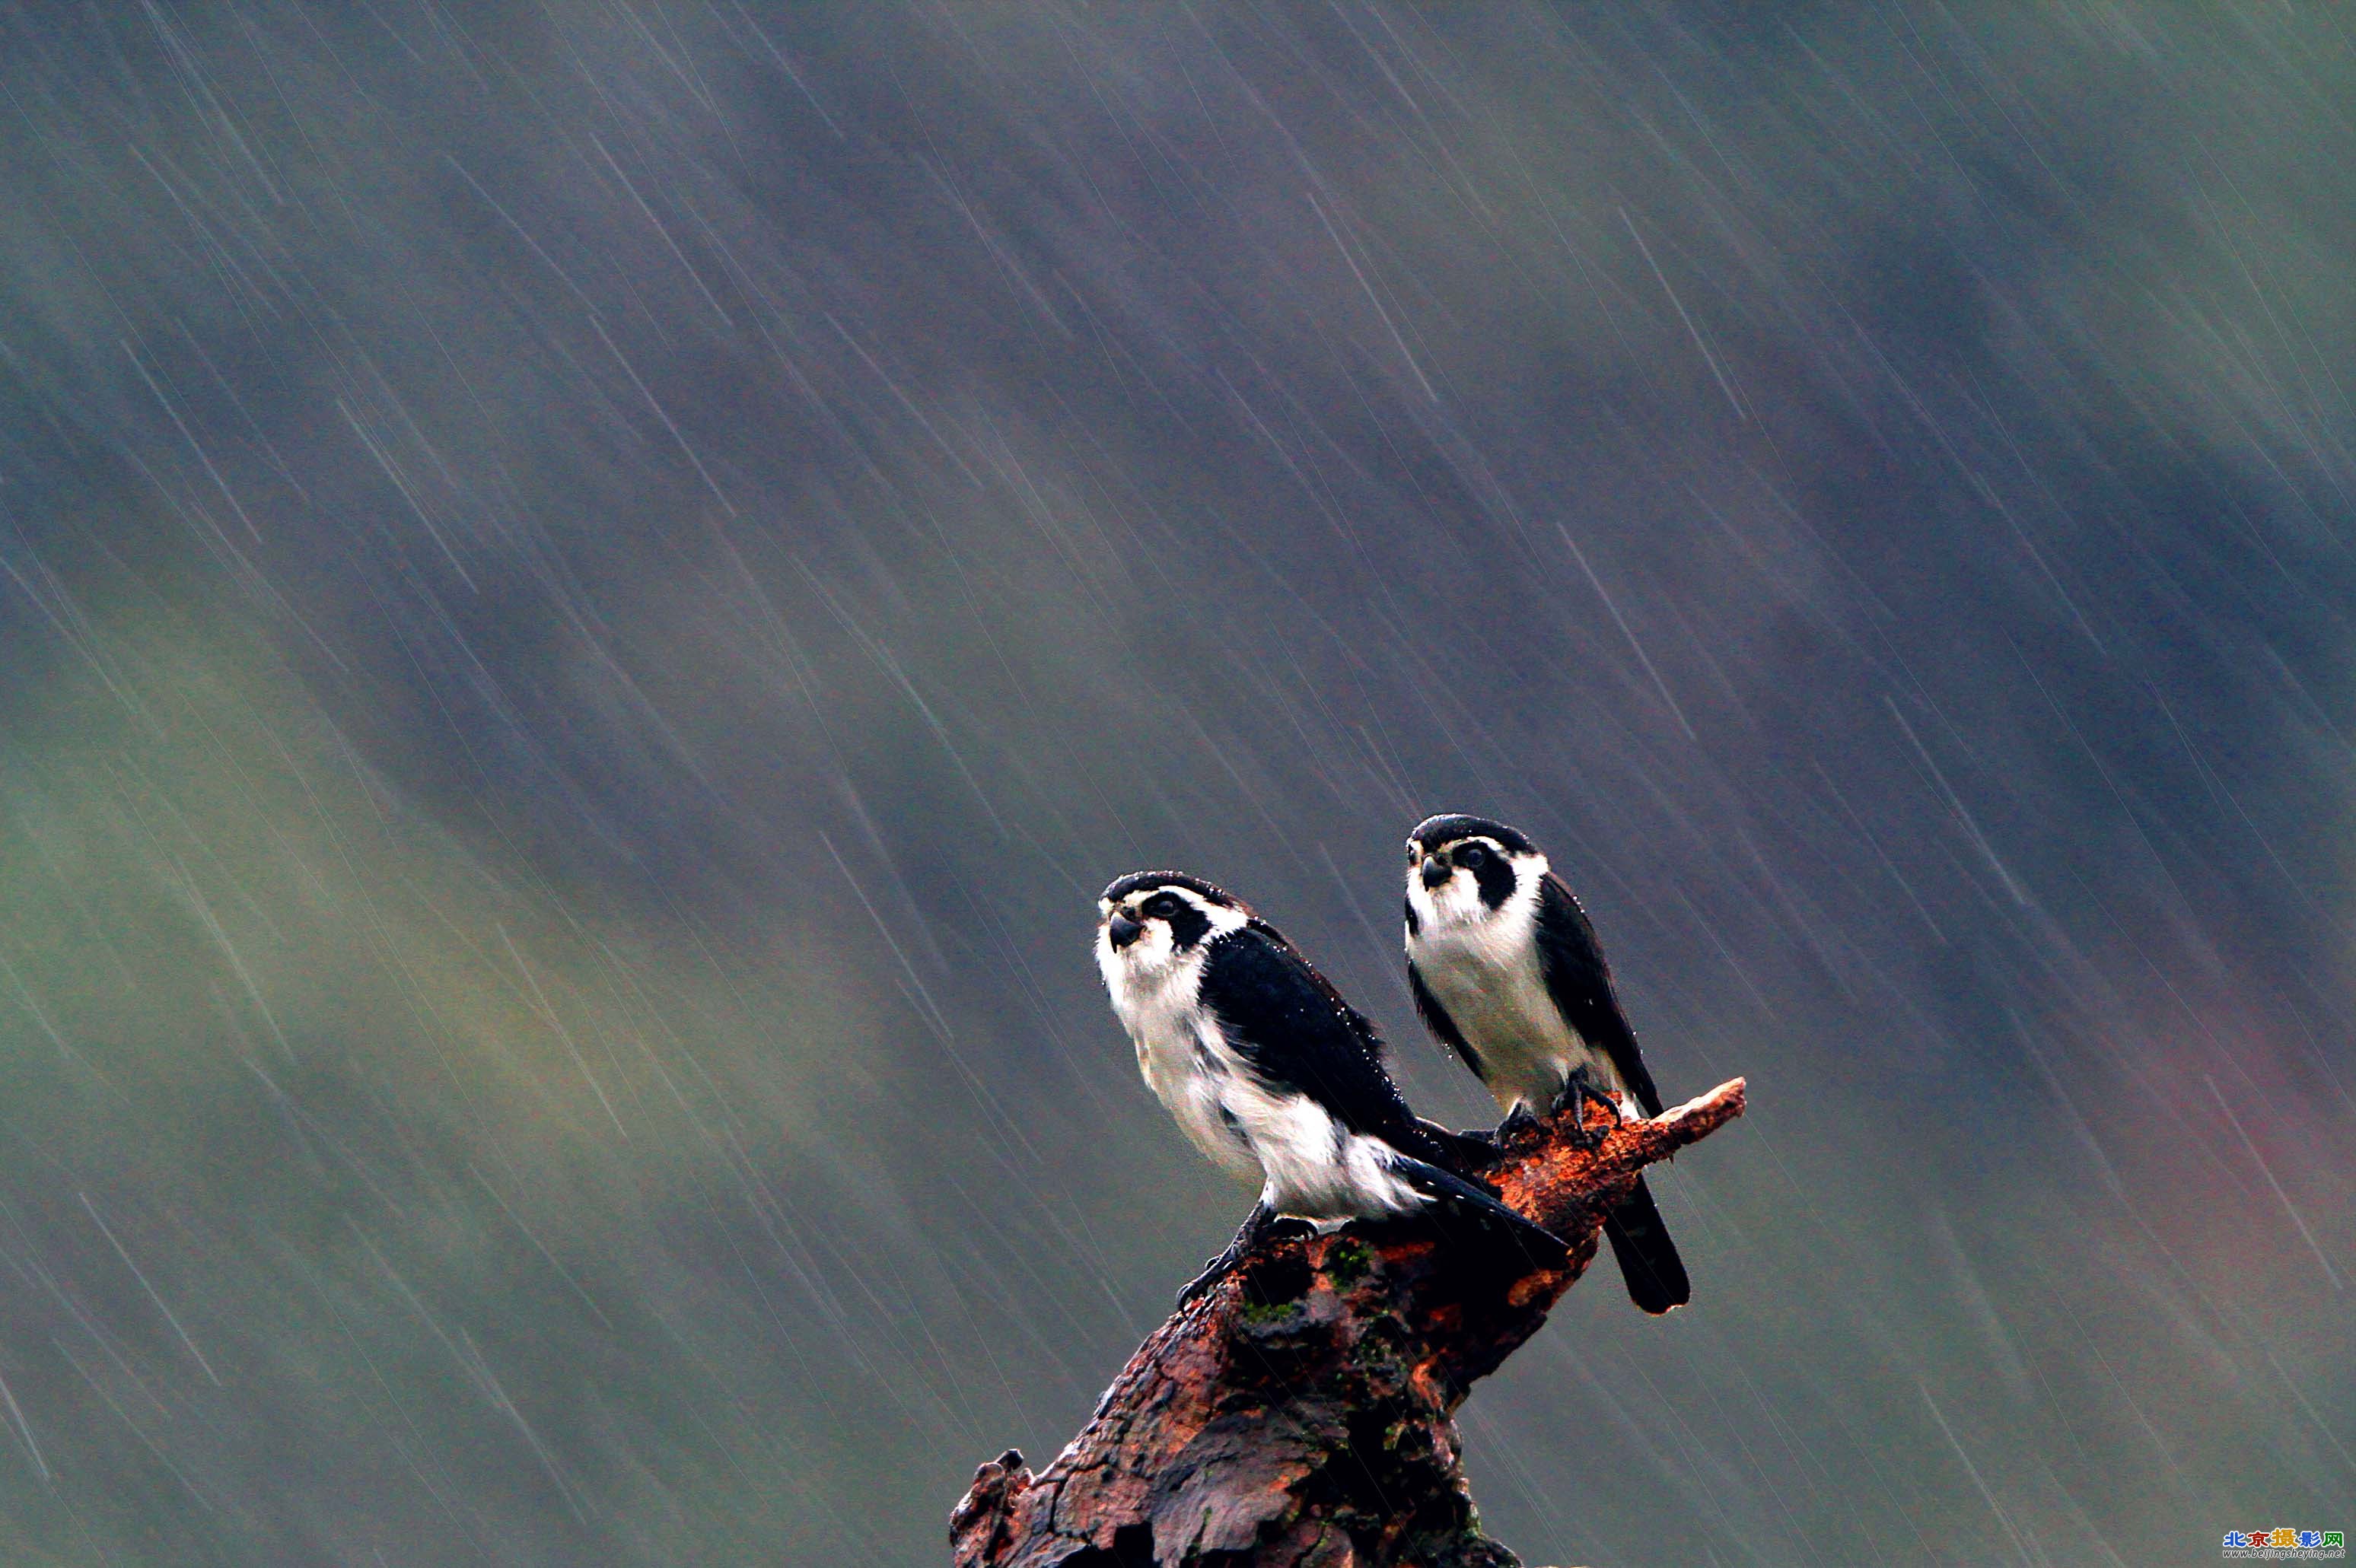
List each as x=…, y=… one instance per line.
x=1436, y=871
x=1122, y=930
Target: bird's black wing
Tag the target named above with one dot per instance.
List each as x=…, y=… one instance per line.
x=1435, y=1018
x=1580, y=983
x=1287, y=1021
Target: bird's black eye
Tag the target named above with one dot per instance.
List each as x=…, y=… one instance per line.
x=1472, y=856
x=1161, y=906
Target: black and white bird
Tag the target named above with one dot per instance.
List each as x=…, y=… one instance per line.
x=1506, y=972
x=1269, y=1072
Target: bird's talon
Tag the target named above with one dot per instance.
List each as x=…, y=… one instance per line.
x=1214, y=1271
x=1579, y=1089
x=1258, y=1225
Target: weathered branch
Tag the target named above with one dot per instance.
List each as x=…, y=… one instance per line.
x=1301, y=1412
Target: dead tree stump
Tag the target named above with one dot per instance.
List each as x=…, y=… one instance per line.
x=1302, y=1413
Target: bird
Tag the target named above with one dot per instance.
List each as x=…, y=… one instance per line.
x=1271, y=1074
x=1506, y=970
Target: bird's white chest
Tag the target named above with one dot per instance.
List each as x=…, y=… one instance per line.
x=1186, y=1061
x=1489, y=978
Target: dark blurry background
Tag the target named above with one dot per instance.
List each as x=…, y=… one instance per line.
x=589, y=591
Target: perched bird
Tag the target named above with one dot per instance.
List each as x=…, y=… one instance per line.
x=1506, y=970
x=1269, y=1071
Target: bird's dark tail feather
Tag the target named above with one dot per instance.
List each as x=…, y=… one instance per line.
x=1648, y=1259
x=1455, y=1152
x=1542, y=1245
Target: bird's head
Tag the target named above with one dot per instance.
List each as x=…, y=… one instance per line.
x=1461, y=871
x=1150, y=922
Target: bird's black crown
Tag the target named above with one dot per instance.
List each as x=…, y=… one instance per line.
x=1136, y=882
x=1434, y=831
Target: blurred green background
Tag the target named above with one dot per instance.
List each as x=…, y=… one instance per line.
x=588, y=593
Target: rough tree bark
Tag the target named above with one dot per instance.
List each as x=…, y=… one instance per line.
x=1301, y=1412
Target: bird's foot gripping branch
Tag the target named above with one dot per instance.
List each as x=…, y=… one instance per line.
x=1301, y=1411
